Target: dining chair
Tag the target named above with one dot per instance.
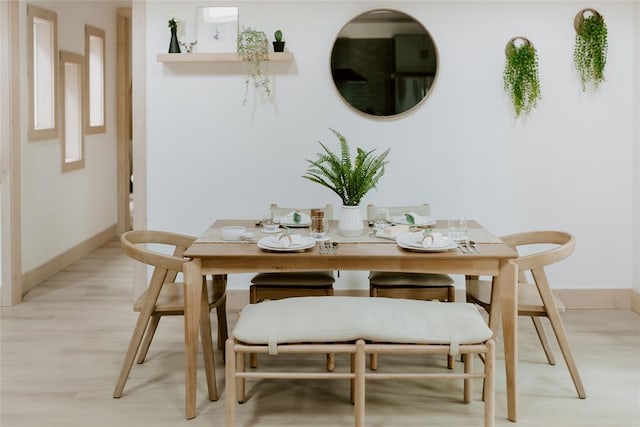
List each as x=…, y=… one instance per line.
x=164, y=297
x=419, y=286
x=274, y=286
x=535, y=299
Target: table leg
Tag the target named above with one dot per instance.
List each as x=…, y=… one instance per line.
x=192, y=295
x=507, y=283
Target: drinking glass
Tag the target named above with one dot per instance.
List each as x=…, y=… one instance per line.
x=382, y=219
x=458, y=229
x=268, y=221
x=319, y=227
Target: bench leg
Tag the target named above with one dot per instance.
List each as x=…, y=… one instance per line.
x=352, y=391
x=489, y=384
x=240, y=382
x=360, y=362
x=468, y=382
x=230, y=378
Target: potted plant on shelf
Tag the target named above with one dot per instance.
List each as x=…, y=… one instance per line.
x=350, y=181
x=253, y=47
x=278, y=45
x=520, y=76
x=590, y=51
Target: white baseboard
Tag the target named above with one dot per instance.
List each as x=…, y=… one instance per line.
x=635, y=301
x=572, y=298
x=34, y=277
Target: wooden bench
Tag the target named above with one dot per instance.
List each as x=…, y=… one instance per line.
x=359, y=326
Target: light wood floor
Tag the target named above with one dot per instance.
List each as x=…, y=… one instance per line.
x=62, y=348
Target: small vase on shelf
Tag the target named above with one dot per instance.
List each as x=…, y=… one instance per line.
x=174, y=44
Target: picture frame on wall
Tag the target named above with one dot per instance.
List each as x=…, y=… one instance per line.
x=217, y=29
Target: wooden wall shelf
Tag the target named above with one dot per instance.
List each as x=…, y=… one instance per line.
x=218, y=57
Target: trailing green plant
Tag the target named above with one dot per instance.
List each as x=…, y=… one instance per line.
x=350, y=181
x=253, y=47
x=521, y=79
x=590, y=51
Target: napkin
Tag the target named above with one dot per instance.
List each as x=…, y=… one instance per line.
x=434, y=240
x=414, y=218
x=285, y=240
x=393, y=231
x=290, y=218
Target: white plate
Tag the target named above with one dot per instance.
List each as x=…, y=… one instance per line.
x=267, y=244
x=421, y=222
x=407, y=241
x=277, y=230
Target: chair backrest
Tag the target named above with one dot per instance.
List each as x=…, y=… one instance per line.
x=564, y=245
x=167, y=266
x=372, y=210
x=281, y=211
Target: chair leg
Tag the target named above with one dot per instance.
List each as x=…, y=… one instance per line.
x=331, y=362
x=542, y=335
x=565, y=348
x=207, y=345
x=223, y=329
x=558, y=328
x=148, y=337
x=132, y=350
x=373, y=362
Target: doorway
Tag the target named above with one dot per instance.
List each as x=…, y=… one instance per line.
x=124, y=120
x=10, y=209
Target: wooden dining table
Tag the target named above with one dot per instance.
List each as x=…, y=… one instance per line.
x=210, y=255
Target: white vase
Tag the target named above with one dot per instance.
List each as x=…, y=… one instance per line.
x=350, y=223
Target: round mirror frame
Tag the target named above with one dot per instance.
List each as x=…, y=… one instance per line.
x=400, y=67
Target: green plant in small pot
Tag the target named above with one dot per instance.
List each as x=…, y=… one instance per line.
x=590, y=51
x=349, y=180
x=253, y=47
x=520, y=76
x=278, y=45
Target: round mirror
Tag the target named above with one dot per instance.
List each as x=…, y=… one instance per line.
x=384, y=62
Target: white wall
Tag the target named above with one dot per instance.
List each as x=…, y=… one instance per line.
x=567, y=166
x=61, y=210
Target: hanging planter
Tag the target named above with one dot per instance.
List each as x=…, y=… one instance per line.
x=520, y=77
x=253, y=47
x=590, y=52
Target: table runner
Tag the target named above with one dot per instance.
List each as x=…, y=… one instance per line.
x=214, y=235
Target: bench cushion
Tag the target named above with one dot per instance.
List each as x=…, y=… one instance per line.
x=340, y=319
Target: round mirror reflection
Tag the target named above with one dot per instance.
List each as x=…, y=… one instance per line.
x=384, y=62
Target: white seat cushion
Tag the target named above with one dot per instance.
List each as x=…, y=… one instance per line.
x=339, y=319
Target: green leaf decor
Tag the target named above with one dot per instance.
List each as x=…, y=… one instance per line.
x=350, y=181
x=253, y=47
x=590, y=51
x=520, y=77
